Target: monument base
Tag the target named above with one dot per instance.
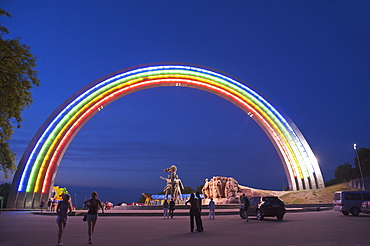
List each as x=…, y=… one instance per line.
x=222, y=201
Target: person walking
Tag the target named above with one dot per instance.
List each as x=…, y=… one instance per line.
x=172, y=207
x=211, y=207
x=92, y=214
x=165, y=210
x=49, y=205
x=199, y=217
x=54, y=205
x=42, y=204
x=245, y=205
x=194, y=213
x=64, y=208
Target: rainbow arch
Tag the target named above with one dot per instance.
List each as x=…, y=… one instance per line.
x=37, y=169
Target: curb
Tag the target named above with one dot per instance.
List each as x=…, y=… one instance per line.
x=152, y=213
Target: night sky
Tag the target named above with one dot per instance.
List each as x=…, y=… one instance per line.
x=310, y=58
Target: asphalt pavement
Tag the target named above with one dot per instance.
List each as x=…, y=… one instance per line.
x=300, y=228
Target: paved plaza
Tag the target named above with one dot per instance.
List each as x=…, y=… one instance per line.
x=300, y=228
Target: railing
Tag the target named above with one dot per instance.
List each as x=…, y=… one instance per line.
x=358, y=184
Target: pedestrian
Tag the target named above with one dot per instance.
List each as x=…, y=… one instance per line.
x=92, y=214
x=194, y=213
x=200, y=210
x=63, y=210
x=245, y=206
x=49, y=204
x=211, y=207
x=172, y=207
x=165, y=209
x=42, y=203
x=54, y=205
x=197, y=194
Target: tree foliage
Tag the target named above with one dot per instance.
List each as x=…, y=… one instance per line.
x=199, y=189
x=142, y=198
x=347, y=172
x=17, y=77
x=188, y=190
x=4, y=192
x=364, y=156
x=344, y=173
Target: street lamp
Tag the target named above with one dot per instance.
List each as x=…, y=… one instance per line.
x=359, y=165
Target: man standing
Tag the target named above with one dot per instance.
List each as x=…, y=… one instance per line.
x=194, y=213
x=211, y=206
x=172, y=207
x=245, y=205
x=200, y=210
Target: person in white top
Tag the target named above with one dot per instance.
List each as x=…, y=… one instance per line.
x=212, y=207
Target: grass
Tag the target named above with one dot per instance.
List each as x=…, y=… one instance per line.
x=324, y=195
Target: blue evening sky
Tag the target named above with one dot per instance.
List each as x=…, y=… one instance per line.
x=311, y=58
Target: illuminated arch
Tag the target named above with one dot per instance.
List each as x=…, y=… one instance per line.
x=37, y=169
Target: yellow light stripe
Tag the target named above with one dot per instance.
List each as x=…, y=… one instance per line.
x=131, y=82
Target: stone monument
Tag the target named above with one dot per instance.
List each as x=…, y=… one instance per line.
x=173, y=183
x=223, y=190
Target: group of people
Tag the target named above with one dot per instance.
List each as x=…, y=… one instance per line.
x=195, y=212
x=64, y=208
x=51, y=205
x=168, y=208
x=195, y=205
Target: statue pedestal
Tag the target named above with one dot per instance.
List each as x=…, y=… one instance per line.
x=219, y=201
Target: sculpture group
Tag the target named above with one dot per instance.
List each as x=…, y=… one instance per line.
x=173, y=183
x=221, y=187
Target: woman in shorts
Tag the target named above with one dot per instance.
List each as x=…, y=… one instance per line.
x=92, y=215
x=64, y=208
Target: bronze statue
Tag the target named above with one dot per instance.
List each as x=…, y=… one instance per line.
x=174, y=184
x=206, y=190
x=177, y=188
x=168, y=188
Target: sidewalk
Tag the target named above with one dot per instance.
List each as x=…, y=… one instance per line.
x=185, y=212
x=25, y=228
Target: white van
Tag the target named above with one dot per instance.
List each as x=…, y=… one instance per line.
x=350, y=201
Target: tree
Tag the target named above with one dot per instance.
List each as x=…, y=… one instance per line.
x=332, y=182
x=17, y=77
x=4, y=192
x=344, y=173
x=188, y=190
x=199, y=189
x=143, y=198
x=364, y=156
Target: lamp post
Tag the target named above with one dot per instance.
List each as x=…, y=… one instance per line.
x=359, y=165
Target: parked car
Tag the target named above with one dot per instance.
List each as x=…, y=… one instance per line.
x=108, y=205
x=365, y=207
x=350, y=201
x=265, y=206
